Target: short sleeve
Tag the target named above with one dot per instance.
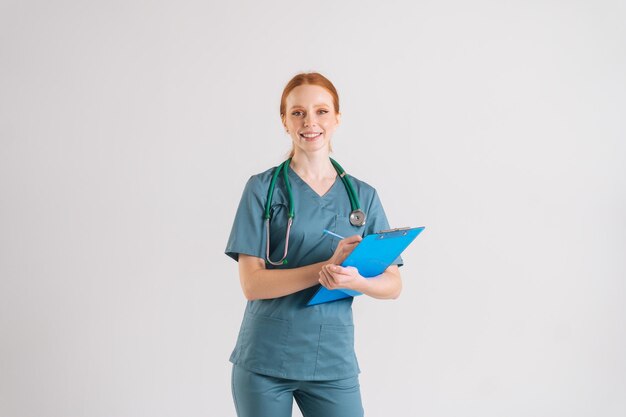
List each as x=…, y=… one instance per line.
x=377, y=221
x=247, y=234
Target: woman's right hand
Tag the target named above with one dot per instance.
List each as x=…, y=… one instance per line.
x=344, y=248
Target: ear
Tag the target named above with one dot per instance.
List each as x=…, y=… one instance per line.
x=338, y=118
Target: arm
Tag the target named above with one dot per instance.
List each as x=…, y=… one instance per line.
x=386, y=285
x=257, y=282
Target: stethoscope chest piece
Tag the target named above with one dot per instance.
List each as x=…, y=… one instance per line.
x=357, y=218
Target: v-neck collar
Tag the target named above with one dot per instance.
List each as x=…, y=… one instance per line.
x=308, y=188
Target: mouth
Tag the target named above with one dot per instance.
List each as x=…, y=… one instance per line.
x=310, y=136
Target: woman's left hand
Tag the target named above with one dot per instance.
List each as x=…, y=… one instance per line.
x=335, y=277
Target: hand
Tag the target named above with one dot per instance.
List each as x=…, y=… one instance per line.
x=335, y=276
x=344, y=248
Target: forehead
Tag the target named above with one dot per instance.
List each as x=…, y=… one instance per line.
x=309, y=95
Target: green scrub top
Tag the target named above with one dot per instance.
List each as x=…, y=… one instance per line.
x=283, y=337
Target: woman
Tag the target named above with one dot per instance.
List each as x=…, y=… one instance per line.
x=286, y=349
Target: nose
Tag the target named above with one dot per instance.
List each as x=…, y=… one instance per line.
x=309, y=119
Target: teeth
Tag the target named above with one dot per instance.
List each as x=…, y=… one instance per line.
x=310, y=135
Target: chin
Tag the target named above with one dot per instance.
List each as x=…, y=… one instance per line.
x=314, y=147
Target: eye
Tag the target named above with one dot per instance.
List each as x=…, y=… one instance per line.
x=296, y=113
x=323, y=111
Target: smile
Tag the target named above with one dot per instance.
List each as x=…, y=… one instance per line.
x=310, y=136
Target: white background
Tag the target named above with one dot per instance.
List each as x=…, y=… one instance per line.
x=128, y=130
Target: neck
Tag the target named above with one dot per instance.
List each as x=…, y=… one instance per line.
x=313, y=166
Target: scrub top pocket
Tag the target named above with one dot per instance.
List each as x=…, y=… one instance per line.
x=263, y=341
x=335, y=353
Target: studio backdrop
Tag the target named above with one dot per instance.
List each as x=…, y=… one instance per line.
x=128, y=130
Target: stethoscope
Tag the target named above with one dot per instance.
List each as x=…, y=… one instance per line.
x=357, y=216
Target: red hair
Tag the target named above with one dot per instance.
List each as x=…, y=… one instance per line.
x=307, y=78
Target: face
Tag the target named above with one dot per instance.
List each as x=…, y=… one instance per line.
x=310, y=118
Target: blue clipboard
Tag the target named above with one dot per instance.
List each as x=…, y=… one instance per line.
x=371, y=257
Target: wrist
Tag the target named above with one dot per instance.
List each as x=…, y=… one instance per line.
x=362, y=285
x=331, y=261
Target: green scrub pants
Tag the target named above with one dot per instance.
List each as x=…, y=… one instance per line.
x=258, y=395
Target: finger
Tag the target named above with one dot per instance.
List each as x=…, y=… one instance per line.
x=326, y=283
x=328, y=275
x=332, y=269
x=352, y=239
x=350, y=246
x=344, y=270
x=324, y=274
x=322, y=279
x=328, y=278
x=333, y=272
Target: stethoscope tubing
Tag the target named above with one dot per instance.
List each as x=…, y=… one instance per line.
x=354, y=202
x=284, y=168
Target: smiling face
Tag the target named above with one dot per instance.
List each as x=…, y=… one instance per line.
x=310, y=118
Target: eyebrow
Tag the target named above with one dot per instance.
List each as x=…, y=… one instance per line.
x=316, y=105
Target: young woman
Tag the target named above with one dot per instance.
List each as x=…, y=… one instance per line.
x=285, y=349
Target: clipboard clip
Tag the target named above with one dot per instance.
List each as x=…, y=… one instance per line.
x=382, y=233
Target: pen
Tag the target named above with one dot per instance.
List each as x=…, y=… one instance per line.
x=328, y=232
